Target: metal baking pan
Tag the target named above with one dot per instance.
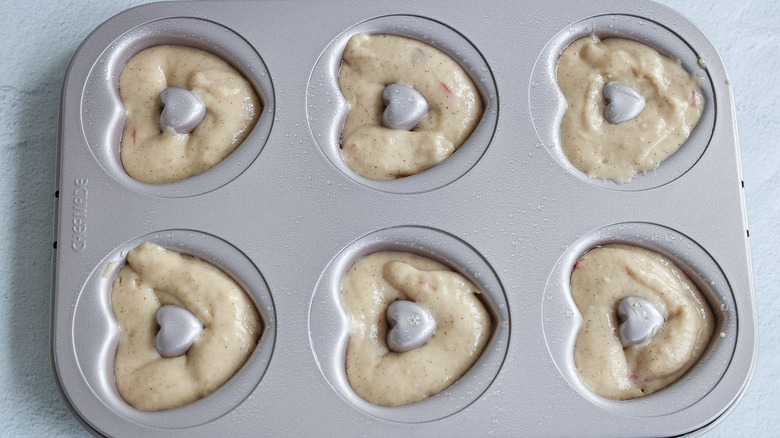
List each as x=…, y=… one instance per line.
x=285, y=217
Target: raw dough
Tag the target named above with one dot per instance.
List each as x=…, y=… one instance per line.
x=674, y=104
x=153, y=277
x=153, y=155
x=601, y=278
x=370, y=63
x=386, y=378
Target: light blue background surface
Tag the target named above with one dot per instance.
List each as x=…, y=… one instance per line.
x=37, y=40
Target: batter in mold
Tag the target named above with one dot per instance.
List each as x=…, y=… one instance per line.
x=186, y=327
x=644, y=321
x=415, y=327
x=411, y=106
x=187, y=110
x=629, y=108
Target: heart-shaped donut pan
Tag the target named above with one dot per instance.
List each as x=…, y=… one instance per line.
x=286, y=218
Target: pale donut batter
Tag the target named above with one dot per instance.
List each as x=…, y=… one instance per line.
x=618, y=151
x=370, y=63
x=601, y=278
x=153, y=277
x=386, y=378
x=155, y=155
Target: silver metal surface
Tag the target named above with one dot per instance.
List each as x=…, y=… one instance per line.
x=286, y=218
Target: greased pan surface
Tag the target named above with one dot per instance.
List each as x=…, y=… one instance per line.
x=286, y=218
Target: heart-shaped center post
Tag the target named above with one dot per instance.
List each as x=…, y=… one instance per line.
x=623, y=102
x=411, y=326
x=405, y=107
x=178, y=330
x=182, y=110
x=639, y=320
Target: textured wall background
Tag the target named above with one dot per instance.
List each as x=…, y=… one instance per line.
x=37, y=40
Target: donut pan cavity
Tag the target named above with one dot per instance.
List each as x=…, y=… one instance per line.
x=327, y=108
x=548, y=104
x=285, y=217
x=104, y=115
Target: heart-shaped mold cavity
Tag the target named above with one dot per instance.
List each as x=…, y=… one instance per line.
x=548, y=106
x=103, y=115
x=329, y=326
x=95, y=335
x=327, y=109
x=562, y=321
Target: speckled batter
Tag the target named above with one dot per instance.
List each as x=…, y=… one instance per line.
x=674, y=104
x=153, y=277
x=386, y=378
x=154, y=155
x=601, y=278
x=370, y=63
